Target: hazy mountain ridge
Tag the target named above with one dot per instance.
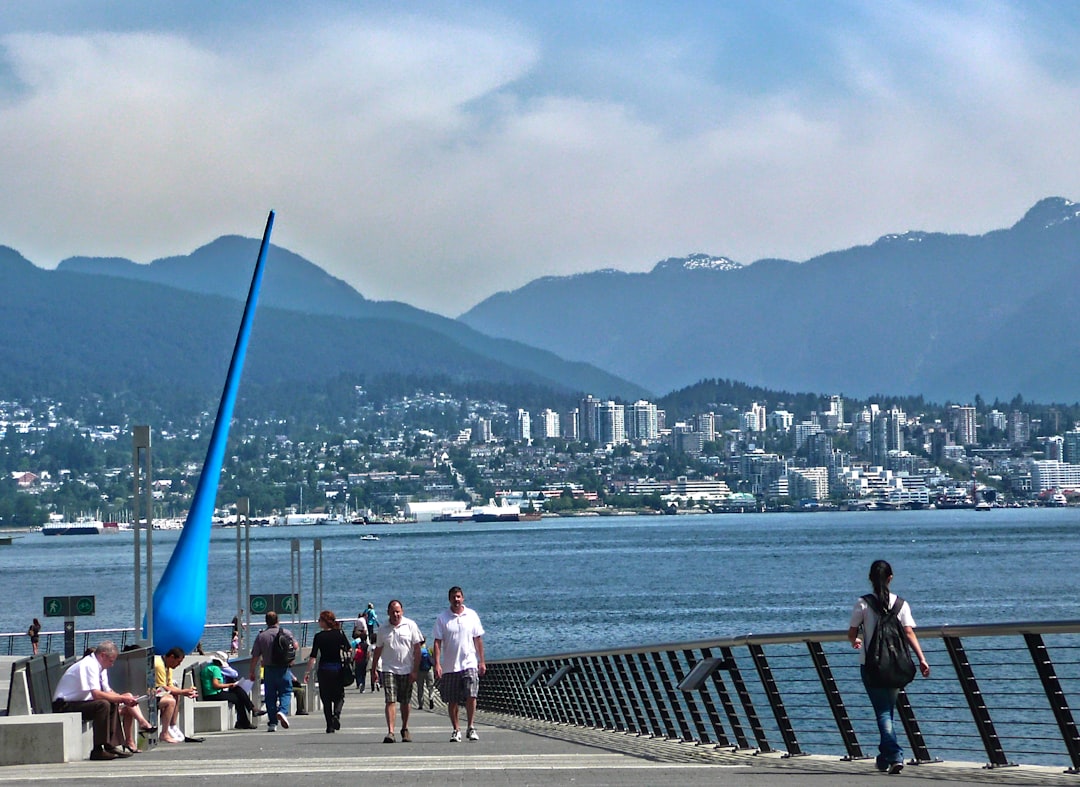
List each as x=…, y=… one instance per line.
x=903, y=314
x=65, y=334
x=293, y=283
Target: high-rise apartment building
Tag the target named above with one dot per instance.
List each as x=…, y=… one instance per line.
x=589, y=419
x=1071, y=447
x=642, y=421
x=963, y=424
x=547, y=425
x=522, y=425
x=612, y=424
x=1019, y=428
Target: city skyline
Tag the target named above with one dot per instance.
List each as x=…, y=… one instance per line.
x=436, y=153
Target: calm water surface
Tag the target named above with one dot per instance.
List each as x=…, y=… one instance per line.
x=600, y=582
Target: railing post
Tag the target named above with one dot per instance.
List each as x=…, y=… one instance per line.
x=671, y=695
x=836, y=702
x=691, y=703
x=772, y=692
x=747, y=703
x=979, y=712
x=919, y=752
x=1056, y=696
x=623, y=693
x=737, y=733
x=657, y=698
x=642, y=708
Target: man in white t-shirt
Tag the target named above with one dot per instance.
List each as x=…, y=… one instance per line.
x=397, y=643
x=459, y=661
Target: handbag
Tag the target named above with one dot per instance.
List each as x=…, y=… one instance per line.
x=348, y=670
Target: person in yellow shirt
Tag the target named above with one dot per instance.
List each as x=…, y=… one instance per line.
x=169, y=694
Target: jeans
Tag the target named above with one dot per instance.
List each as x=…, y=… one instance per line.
x=277, y=685
x=884, y=703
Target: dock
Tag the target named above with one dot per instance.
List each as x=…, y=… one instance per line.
x=511, y=751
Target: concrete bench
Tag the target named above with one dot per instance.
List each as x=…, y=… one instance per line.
x=45, y=738
x=31, y=733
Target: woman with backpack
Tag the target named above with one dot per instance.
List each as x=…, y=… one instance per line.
x=331, y=648
x=883, y=669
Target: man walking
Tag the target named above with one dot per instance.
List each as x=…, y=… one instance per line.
x=276, y=649
x=397, y=642
x=459, y=661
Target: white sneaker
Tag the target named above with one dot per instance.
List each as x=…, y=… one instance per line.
x=455, y=736
x=175, y=733
x=283, y=720
x=471, y=734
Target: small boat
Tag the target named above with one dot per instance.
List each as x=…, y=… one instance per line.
x=369, y=537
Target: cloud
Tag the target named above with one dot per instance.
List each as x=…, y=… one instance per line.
x=438, y=160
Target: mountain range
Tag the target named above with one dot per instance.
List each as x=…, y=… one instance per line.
x=166, y=330
x=943, y=315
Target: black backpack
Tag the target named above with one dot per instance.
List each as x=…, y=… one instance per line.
x=282, y=649
x=888, y=654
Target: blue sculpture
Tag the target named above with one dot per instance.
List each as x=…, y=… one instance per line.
x=180, y=596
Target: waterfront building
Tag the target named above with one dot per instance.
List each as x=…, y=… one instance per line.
x=809, y=482
x=1054, y=447
x=1050, y=474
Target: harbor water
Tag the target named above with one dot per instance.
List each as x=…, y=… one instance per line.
x=570, y=584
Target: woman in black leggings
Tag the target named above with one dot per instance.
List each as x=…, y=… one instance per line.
x=330, y=647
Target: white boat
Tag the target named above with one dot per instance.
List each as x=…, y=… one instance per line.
x=83, y=526
x=369, y=537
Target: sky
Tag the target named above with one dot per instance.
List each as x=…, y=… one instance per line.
x=438, y=152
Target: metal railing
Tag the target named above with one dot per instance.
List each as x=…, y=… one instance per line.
x=1000, y=693
x=216, y=636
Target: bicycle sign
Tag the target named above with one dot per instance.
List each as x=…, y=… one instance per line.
x=282, y=603
x=69, y=606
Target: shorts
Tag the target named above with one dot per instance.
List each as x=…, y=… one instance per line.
x=396, y=688
x=458, y=687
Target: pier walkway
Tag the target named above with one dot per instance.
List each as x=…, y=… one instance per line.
x=511, y=751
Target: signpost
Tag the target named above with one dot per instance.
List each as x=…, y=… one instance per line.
x=68, y=607
x=281, y=603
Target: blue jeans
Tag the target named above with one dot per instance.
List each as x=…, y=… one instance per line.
x=884, y=703
x=277, y=686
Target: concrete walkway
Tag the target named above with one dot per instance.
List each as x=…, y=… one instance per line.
x=510, y=751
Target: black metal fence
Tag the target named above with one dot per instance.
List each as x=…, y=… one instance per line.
x=216, y=636
x=998, y=693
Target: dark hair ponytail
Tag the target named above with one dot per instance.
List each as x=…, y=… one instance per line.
x=880, y=574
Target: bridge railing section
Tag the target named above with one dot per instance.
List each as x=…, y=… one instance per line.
x=216, y=636
x=1001, y=693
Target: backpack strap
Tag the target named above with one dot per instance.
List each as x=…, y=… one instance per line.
x=897, y=606
x=872, y=602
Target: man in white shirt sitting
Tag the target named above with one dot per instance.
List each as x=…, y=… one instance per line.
x=85, y=689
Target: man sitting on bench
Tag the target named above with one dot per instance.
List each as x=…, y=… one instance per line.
x=85, y=689
x=169, y=694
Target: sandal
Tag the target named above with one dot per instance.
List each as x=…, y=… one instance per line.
x=131, y=749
